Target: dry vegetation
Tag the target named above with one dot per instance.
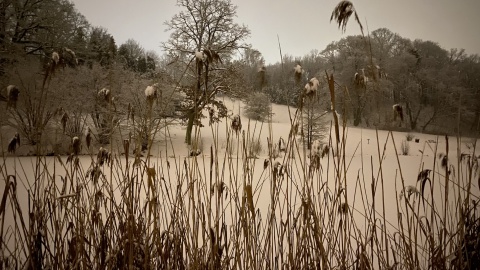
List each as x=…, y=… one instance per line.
x=123, y=211
x=203, y=212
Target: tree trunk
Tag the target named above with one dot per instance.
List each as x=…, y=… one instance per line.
x=429, y=121
x=188, y=135
x=357, y=117
x=3, y=23
x=476, y=121
x=413, y=120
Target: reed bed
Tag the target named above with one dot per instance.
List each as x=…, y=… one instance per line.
x=228, y=209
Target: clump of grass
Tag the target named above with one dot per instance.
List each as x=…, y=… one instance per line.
x=409, y=137
x=405, y=148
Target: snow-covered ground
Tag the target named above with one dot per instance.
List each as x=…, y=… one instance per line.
x=359, y=141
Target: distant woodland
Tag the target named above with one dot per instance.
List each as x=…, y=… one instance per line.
x=72, y=76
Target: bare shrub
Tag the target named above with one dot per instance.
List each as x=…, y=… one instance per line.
x=405, y=148
x=258, y=107
x=255, y=148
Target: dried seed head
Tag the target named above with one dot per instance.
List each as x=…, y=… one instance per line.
x=265, y=163
x=298, y=72
x=12, y=96
x=397, y=112
x=343, y=208
x=249, y=197
x=360, y=79
x=444, y=162
x=103, y=156
x=55, y=57
x=312, y=86
x=342, y=13
x=14, y=142
x=151, y=91
x=105, y=94
x=298, y=69
x=70, y=56
x=200, y=56
x=88, y=138
x=76, y=145
x=237, y=124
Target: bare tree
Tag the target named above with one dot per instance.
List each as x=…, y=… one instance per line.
x=204, y=38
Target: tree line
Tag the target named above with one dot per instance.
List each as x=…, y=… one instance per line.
x=74, y=77
x=438, y=89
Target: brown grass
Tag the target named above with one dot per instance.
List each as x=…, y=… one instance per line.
x=205, y=212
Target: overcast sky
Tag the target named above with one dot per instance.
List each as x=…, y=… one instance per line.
x=302, y=25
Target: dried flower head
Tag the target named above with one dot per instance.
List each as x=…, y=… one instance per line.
x=12, y=96
x=55, y=57
x=298, y=72
x=76, y=145
x=397, y=112
x=343, y=208
x=151, y=91
x=199, y=56
x=236, y=124
x=312, y=87
x=69, y=57
x=265, y=163
x=105, y=94
x=103, y=156
x=14, y=142
x=342, y=12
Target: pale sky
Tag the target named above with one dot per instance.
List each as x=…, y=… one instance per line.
x=302, y=25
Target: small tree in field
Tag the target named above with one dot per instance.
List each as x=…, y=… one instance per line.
x=313, y=104
x=258, y=107
x=203, y=40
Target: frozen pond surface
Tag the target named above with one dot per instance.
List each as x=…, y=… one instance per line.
x=220, y=179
